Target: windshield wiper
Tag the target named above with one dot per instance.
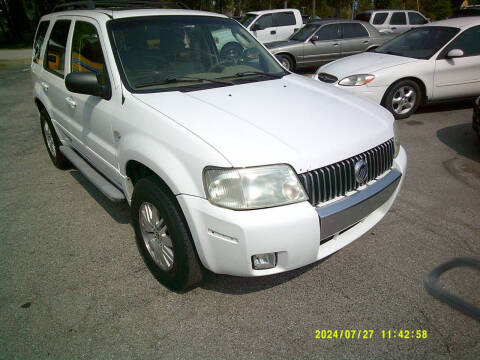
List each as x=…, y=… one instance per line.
x=247, y=73
x=178, y=79
x=389, y=52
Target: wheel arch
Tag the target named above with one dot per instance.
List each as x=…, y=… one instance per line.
x=294, y=60
x=420, y=83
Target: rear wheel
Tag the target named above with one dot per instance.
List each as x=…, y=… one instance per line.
x=163, y=237
x=403, y=98
x=287, y=62
x=52, y=142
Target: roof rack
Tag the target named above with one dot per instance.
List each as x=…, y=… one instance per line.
x=119, y=5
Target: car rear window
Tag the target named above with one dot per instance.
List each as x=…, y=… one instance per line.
x=398, y=18
x=39, y=38
x=56, y=48
x=380, y=18
x=354, y=30
x=416, y=19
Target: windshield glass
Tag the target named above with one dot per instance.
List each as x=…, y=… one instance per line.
x=305, y=32
x=419, y=43
x=165, y=53
x=247, y=19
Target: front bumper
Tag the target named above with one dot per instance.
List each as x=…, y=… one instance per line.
x=226, y=240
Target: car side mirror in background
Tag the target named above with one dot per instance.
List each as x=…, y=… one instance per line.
x=455, y=53
x=314, y=38
x=256, y=27
x=87, y=83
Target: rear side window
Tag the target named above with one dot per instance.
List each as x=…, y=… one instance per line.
x=354, y=30
x=416, y=19
x=87, y=55
x=284, y=19
x=265, y=22
x=38, y=42
x=380, y=18
x=56, y=48
x=398, y=18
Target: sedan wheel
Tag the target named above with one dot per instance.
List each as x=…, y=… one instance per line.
x=403, y=98
x=287, y=62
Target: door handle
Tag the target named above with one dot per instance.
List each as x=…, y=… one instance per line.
x=336, y=44
x=44, y=86
x=393, y=28
x=71, y=102
x=365, y=42
x=273, y=32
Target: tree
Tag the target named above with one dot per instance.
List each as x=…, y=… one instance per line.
x=382, y=4
x=436, y=9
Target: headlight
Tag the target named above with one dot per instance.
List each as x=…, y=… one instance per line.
x=396, y=139
x=357, y=80
x=253, y=188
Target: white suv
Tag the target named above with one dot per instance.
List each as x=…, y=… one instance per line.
x=393, y=21
x=228, y=162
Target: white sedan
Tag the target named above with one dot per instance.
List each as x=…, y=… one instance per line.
x=437, y=62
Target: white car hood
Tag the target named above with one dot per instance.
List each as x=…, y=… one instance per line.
x=293, y=120
x=364, y=63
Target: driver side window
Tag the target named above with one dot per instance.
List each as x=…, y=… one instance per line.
x=265, y=22
x=468, y=41
x=329, y=32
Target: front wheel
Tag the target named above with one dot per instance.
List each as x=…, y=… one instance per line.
x=287, y=62
x=163, y=237
x=403, y=99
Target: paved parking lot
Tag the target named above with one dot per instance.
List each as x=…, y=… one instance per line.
x=74, y=286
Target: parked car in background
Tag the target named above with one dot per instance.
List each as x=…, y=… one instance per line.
x=437, y=62
x=476, y=116
x=272, y=25
x=321, y=41
x=393, y=21
x=472, y=10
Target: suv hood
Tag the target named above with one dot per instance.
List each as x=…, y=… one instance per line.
x=365, y=63
x=292, y=120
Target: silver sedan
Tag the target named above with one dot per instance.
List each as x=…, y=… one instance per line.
x=322, y=41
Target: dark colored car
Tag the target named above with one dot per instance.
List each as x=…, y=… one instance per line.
x=473, y=10
x=476, y=116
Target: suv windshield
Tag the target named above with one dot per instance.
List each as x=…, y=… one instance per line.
x=305, y=32
x=419, y=43
x=171, y=53
x=247, y=19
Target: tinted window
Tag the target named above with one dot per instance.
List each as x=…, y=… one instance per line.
x=468, y=41
x=398, y=18
x=56, y=47
x=38, y=42
x=265, y=21
x=420, y=43
x=284, y=19
x=363, y=17
x=305, y=32
x=328, y=32
x=416, y=19
x=354, y=30
x=87, y=55
x=380, y=18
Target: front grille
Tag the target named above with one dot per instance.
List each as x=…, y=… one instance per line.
x=337, y=179
x=327, y=78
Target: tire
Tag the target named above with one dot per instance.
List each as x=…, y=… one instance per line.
x=403, y=98
x=52, y=142
x=167, y=247
x=287, y=62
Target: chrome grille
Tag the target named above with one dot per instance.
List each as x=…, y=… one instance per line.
x=337, y=179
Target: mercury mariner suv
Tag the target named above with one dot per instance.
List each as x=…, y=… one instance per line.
x=228, y=161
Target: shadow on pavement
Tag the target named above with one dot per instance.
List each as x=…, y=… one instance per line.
x=462, y=139
x=120, y=212
x=235, y=285
x=448, y=106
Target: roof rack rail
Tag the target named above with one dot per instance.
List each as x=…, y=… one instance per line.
x=118, y=4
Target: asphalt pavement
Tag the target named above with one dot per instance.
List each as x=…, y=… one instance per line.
x=73, y=285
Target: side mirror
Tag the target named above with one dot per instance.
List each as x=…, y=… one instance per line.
x=87, y=83
x=256, y=27
x=455, y=53
x=314, y=38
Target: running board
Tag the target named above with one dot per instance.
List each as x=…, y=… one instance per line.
x=102, y=184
